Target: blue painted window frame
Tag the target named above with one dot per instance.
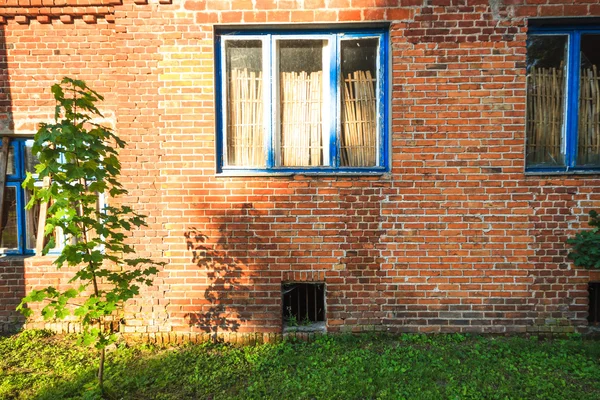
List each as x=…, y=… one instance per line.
x=571, y=111
x=15, y=180
x=335, y=36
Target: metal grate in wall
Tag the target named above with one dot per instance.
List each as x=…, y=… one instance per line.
x=303, y=302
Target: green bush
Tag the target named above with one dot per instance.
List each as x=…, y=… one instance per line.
x=586, y=245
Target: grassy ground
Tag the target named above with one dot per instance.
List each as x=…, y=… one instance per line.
x=41, y=366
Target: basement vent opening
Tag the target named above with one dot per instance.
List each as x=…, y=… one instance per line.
x=594, y=304
x=303, y=307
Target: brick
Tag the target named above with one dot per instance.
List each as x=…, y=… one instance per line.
x=89, y=19
x=302, y=16
x=207, y=17
x=21, y=19
x=278, y=16
x=43, y=19
x=254, y=17
x=350, y=15
x=398, y=13
x=551, y=11
x=195, y=5
x=314, y=4
x=240, y=5
x=374, y=14
x=338, y=4
x=66, y=19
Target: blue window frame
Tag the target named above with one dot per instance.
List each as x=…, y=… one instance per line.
x=563, y=99
x=18, y=226
x=302, y=101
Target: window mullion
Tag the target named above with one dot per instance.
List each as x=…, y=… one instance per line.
x=222, y=81
x=21, y=223
x=572, y=106
x=19, y=172
x=19, y=162
x=333, y=96
x=275, y=148
x=382, y=102
x=268, y=95
x=21, y=197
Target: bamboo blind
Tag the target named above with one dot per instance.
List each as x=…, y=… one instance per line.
x=589, y=118
x=301, y=118
x=245, y=140
x=359, y=126
x=545, y=110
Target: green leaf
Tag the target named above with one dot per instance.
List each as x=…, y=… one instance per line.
x=48, y=312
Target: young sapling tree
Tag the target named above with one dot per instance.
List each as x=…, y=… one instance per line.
x=78, y=158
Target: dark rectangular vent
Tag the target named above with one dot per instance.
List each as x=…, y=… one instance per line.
x=303, y=303
x=594, y=304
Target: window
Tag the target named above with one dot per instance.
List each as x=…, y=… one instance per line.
x=302, y=101
x=563, y=99
x=18, y=227
x=303, y=306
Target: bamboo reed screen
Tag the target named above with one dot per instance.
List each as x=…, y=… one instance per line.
x=301, y=118
x=589, y=118
x=545, y=116
x=245, y=140
x=545, y=110
x=359, y=123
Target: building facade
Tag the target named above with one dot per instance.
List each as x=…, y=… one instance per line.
x=348, y=165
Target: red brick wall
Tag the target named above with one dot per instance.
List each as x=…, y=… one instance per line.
x=12, y=290
x=455, y=238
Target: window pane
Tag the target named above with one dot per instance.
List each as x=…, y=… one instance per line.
x=10, y=239
x=10, y=167
x=359, y=103
x=31, y=222
x=546, y=71
x=588, y=149
x=245, y=129
x=301, y=98
x=30, y=160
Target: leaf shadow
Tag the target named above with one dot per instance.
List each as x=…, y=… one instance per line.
x=229, y=281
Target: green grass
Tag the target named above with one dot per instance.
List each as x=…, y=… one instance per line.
x=37, y=365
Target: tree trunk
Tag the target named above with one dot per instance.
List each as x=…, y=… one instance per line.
x=101, y=370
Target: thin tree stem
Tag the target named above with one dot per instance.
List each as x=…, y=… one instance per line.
x=101, y=369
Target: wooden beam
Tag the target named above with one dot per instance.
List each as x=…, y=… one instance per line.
x=3, y=170
x=39, y=243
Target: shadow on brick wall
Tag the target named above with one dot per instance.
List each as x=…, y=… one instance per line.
x=12, y=278
x=6, y=120
x=226, y=293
